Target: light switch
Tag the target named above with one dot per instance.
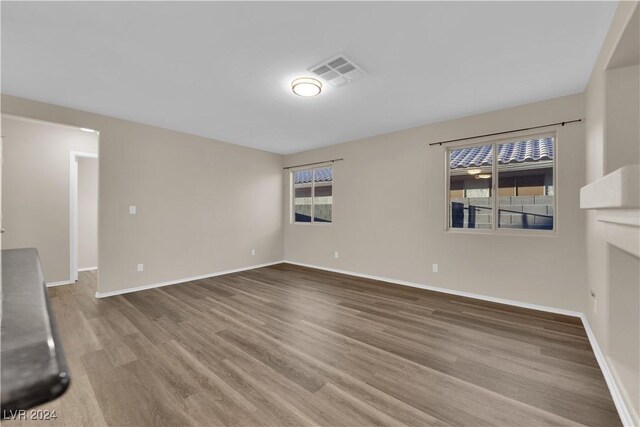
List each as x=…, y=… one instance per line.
x=132, y=210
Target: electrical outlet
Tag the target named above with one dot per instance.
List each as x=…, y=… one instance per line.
x=336, y=254
x=132, y=210
x=140, y=268
x=434, y=267
x=253, y=251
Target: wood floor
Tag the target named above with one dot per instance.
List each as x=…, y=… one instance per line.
x=286, y=345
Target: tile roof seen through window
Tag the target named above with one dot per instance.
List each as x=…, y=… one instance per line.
x=513, y=152
x=304, y=176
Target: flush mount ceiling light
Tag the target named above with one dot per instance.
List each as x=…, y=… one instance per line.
x=306, y=86
x=484, y=176
x=474, y=171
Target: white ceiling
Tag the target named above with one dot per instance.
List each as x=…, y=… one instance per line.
x=222, y=70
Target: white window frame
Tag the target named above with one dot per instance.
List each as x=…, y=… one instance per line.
x=292, y=208
x=494, y=188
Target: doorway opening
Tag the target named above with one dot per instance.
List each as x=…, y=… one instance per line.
x=83, y=210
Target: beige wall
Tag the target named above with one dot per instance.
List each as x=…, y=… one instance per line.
x=622, y=115
x=612, y=141
x=403, y=237
x=202, y=205
x=87, y=212
x=35, y=189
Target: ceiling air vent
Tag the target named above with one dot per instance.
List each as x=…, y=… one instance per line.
x=338, y=71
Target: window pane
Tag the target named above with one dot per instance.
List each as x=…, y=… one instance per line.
x=323, y=197
x=470, y=184
x=302, y=195
x=525, y=184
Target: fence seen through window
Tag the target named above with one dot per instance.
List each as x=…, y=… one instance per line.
x=517, y=192
x=313, y=195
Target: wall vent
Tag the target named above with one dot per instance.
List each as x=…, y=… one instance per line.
x=338, y=70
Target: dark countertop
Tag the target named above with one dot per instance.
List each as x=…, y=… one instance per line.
x=33, y=366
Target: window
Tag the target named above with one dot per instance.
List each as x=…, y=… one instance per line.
x=313, y=195
x=514, y=193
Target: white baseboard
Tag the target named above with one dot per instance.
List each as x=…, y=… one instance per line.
x=447, y=291
x=618, y=400
x=62, y=282
x=186, y=279
x=69, y=282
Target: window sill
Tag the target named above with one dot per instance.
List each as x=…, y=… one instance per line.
x=504, y=232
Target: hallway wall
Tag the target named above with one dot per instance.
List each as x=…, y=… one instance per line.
x=35, y=189
x=87, y=212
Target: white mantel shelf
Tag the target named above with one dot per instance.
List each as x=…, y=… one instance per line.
x=616, y=199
